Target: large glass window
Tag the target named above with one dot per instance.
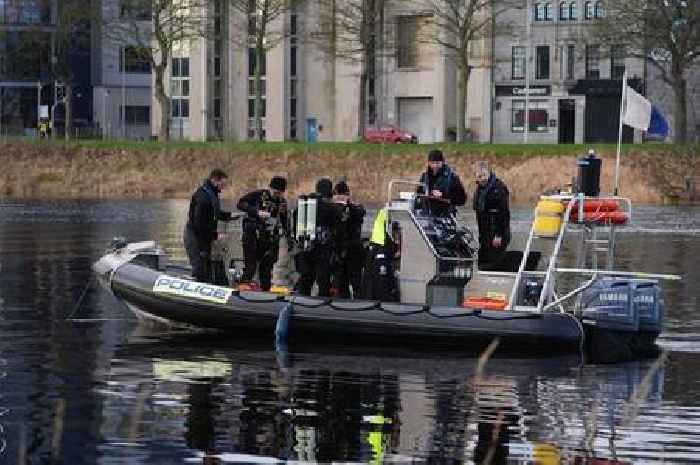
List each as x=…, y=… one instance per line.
x=589, y=10
x=564, y=11
x=180, y=87
x=137, y=115
x=570, y=61
x=539, y=115
x=592, y=62
x=542, y=62
x=599, y=10
x=573, y=11
x=407, y=43
x=617, y=61
x=518, y=62
x=134, y=60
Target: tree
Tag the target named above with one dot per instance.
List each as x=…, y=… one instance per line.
x=173, y=23
x=352, y=31
x=260, y=28
x=456, y=25
x=664, y=32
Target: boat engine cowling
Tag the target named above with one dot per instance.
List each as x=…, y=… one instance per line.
x=651, y=306
x=608, y=304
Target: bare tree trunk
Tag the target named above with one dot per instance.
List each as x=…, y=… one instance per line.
x=68, y=86
x=362, y=108
x=163, y=102
x=462, y=86
x=680, y=126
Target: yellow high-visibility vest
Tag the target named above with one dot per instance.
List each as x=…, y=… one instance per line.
x=379, y=228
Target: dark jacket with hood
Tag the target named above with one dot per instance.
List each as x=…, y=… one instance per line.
x=204, y=214
x=447, y=182
x=492, y=209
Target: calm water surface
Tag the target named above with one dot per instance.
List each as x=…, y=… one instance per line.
x=98, y=388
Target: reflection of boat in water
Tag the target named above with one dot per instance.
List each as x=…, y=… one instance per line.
x=609, y=312
x=239, y=402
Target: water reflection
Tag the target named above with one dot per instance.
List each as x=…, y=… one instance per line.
x=235, y=402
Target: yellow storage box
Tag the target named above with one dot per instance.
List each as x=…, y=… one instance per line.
x=548, y=217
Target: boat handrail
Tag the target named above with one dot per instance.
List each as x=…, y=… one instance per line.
x=394, y=182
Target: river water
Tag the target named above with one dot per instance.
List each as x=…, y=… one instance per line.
x=85, y=384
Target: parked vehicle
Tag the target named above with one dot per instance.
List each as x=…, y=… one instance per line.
x=390, y=135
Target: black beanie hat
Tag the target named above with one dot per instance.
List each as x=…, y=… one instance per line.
x=435, y=155
x=324, y=186
x=278, y=183
x=342, y=188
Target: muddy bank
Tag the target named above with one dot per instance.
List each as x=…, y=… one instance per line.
x=60, y=171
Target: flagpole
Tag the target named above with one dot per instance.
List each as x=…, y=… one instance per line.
x=619, y=133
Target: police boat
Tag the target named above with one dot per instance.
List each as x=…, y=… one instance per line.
x=443, y=298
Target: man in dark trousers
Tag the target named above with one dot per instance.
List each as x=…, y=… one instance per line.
x=315, y=262
x=442, y=184
x=349, y=250
x=266, y=219
x=202, y=221
x=491, y=205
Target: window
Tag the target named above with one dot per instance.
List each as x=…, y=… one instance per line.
x=539, y=11
x=539, y=116
x=547, y=11
x=134, y=60
x=589, y=10
x=518, y=64
x=573, y=11
x=599, y=10
x=407, y=45
x=137, y=115
x=251, y=63
x=542, y=62
x=180, y=87
x=564, y=11
x=135, y=10
x=252, y=131
x=592, y=62
x=617, y=61
x=570, y=61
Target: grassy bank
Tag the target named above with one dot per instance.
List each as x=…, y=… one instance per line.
x=651, y=173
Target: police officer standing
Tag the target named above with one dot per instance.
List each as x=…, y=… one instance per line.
x=266, y=219
x=202, y=221
x=315, y=262
x=349, y=250
x=491, y=205
x=442, y=184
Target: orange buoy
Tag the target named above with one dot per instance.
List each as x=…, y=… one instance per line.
x=597, y=205
x=601, y=217
x=485, y=303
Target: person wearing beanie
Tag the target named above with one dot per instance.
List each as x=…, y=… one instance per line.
x=491, y=205
x=442, y=185
x=347, y=272
x=315, y=263
x=202, y=222
x=265, y=221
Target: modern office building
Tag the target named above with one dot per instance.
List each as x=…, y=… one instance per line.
x=121, y=73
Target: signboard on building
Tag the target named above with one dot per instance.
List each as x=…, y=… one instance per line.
x=519, y=91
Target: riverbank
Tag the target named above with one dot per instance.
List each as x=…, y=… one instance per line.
x=651, y=173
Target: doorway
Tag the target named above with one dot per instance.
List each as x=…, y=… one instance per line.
x=567, y=121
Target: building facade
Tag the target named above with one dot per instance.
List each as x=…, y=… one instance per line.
x=121, y=73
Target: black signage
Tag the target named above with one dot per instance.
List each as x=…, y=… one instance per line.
x=519, y=91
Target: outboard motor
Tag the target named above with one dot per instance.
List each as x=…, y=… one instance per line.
x=607, y=304
x=650, y=303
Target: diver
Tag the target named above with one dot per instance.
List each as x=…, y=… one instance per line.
x=350, y=252
x=442, y=185
x=379, y=279
x=266, y=219
x=315, y=262
x=202, y=221
x=491, y=205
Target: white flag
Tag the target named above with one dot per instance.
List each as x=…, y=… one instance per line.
x=637, y=110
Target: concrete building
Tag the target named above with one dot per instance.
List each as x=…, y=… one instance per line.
x=573, y=82
x=121, y=74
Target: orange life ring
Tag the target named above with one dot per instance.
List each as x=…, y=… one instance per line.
x=597, y=206
x=601, y=217
x=485, y=303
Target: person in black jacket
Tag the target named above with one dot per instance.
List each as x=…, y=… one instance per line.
x=442, y=184
x=491, y=205
x=202, y=221
x=349, y=250
x=315, y=263
x=266, y=219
